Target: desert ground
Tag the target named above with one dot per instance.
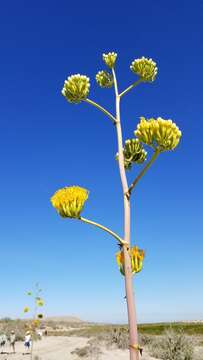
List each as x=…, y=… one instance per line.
x=66, y=340
x=60, y=348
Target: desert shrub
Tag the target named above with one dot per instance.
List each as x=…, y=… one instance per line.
x=6, y=326
x=172, y=346
x=91, y=350
x=119, y=337
x=81, y=352
x=145, y=340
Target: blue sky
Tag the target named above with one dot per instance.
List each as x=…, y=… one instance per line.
x=47, y=143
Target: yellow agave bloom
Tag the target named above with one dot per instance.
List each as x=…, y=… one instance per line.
x=104, y=79
x=40, y=302
x=26, y=309
x=160, y=133
x=137, y=256
x=145, y=68
x=35, y=323
x=76, y=88
x=110, y=59
x=133, y=152
x=69, y=201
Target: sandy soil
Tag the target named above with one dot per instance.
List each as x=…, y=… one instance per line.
x=60, y=348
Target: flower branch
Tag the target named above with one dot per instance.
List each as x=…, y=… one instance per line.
x=106, y=112
x=116, y=236
x=131, y=87
x=144, y=170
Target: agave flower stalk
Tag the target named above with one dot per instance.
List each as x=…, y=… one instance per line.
x=159, y=134
x=134, y=355
x=37, y=316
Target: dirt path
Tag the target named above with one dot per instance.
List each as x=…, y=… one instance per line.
x=50, y=348
x=60, y=348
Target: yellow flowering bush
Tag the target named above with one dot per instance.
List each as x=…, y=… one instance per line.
x=69, y=201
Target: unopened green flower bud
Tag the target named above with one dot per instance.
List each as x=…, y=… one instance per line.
x=133, y=152
x=76, y=88
x=104, y=79
x=159, y=133
x=110, y=59
x=145, y=68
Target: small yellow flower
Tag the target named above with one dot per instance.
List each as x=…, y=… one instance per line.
x=159, y=133
x=76, y=88
x=40, y=302
x=137, y=256
x=145, y=68
x=26, y=309
x=69, y=201
x=110, y=59
x=104, y=79
x=35, y=323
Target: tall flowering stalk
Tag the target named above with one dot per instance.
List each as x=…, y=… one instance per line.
x=37, y=316
x=159, y=134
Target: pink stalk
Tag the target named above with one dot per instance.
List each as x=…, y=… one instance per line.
x=134, y=354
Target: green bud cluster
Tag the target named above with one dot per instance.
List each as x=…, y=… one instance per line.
x=145, y=68
x=133, y=152
x=104, y=79
x=76, y=88
x=110, y=59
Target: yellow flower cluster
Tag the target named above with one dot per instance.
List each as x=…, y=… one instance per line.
x=26, y=309
x=104, y=79
x=69, y=201
x=39, y=302
x=145, y=68
x=110, y=59
x=134, y=153
x=158, y=133
x=137, y=256
x=76, y=88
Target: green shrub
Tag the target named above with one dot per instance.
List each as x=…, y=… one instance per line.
x=172, y=346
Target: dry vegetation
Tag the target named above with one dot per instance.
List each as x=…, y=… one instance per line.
x=175, y=341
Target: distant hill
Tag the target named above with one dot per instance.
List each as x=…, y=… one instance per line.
x=67, y=319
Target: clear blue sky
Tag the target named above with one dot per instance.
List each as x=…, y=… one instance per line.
x=47, y=143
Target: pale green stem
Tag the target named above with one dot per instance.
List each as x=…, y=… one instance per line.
x=34, y=317
x=106, y=112
x=116, y=236
x=131, y=87
x=134, y=355
x=144, y=170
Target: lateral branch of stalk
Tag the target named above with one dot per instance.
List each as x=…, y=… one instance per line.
x=101, y=108
x=131, y=87
x=143, y=171
x=104, y=228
